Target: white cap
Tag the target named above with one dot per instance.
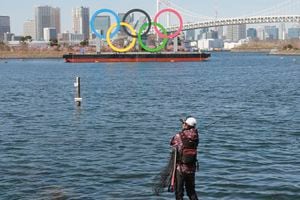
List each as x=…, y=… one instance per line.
x=191, y=121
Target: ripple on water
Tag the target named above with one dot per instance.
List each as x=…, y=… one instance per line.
x=115, y=144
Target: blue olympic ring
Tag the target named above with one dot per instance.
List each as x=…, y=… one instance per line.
x=92, y=23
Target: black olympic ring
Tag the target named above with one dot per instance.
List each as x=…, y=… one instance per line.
x=136, y=10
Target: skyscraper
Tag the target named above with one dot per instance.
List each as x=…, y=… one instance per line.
x=294, y=33
x=46, y=16
x=4, y=26
x=121, y=16
x=56, y=16
x=102, y=24
x=29, y=29
x=252, y=33
x=190, y=35
x=81, y=18
x=271, y=33
x=236, y=32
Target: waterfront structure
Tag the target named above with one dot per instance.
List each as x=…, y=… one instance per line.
x=294, y=33
x=81, y=17
x=17, y=37
x=4, y=26
x=102, y=24
x=210, y=44
x=46, y=16
x=251, y=33
x=236, y=32
x=271, y=33
x=71, y=38
x=50, y=33
x=8, y=37
x=29, y=29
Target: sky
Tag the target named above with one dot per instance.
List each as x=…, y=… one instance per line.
x=21, y=10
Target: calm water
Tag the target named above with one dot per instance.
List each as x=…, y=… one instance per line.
x=118, y=141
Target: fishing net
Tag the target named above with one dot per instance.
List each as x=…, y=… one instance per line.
x=163, y=179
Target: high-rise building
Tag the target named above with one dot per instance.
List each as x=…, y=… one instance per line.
x=140, y=22
x=4, y=26
x=271, y=33
x=50, y=33
x=102, y=24
x=46, y=16
x=282, y=32
x=202, y=31
x=81, y=17
x=121, y=16
x=294, y=33
x=29, y=29
x=56, y=16
x=251, y=33
x=190, y=34
x=212, y=34
x=260, y=33
x=220, y=31
x=236, y=32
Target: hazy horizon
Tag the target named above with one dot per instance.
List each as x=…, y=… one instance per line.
x=25, y=9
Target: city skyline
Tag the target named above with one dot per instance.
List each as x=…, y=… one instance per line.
x=25, y=10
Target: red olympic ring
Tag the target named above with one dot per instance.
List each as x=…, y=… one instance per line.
x=180, y=23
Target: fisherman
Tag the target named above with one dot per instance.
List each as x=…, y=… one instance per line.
x=186, y=142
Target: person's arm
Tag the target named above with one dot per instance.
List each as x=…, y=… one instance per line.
x=175, y=140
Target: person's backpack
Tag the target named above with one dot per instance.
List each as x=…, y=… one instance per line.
x=189, y=149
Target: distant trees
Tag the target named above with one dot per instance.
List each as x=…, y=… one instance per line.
x=24, y=42
x=26, y=39
x=84, y=43
x=53, y=42
x=289, y=47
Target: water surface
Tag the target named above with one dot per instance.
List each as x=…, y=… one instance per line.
x=113, y=146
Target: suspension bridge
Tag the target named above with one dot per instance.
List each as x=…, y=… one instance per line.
x=288, y=11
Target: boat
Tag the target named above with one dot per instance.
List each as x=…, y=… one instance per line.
x=137, y=57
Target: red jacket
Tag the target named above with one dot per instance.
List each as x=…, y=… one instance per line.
x=177, y=143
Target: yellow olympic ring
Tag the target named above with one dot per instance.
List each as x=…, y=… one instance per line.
x=130, y=46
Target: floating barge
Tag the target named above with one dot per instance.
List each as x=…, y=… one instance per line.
x=137, y=57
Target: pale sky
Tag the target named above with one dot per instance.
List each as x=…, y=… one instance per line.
x=21, y=10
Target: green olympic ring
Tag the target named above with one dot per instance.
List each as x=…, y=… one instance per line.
x=160, y=47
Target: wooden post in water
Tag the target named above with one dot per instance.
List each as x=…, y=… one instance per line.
x=77, y=98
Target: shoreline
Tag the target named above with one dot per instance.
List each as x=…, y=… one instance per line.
x=30, y=58
x=47, y=55
x=250, y=50
x=268, y=51
x=31, y=54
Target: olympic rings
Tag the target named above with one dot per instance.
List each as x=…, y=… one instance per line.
x=92, y=22
x=160, y=47
x=130, y=46
x=136, y=10
x=180, y=25
x=132, y=32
